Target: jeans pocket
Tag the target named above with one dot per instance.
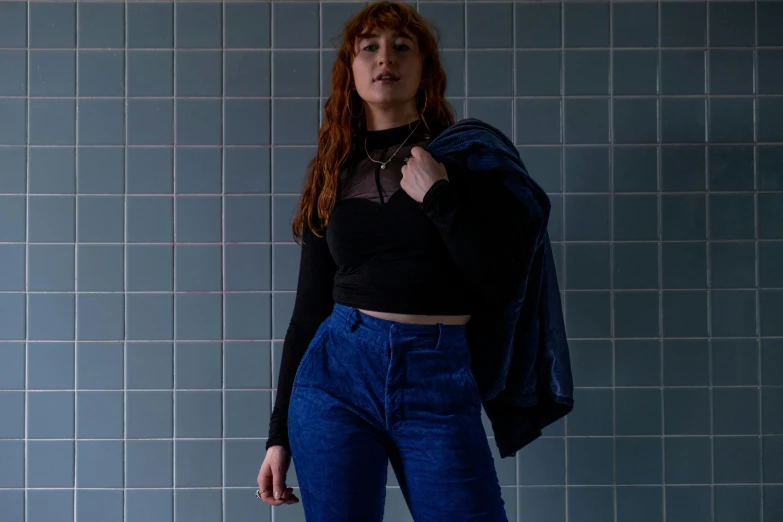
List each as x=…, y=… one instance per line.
x=314, y=346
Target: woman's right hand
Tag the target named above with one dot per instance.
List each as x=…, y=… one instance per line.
x=271, y=478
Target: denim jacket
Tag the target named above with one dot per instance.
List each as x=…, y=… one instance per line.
x=522, y=363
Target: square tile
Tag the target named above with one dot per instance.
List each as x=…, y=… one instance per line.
x=52, y=73
x=12, y=259
x=448, y=18
x=295, y=25
x=496, y=112
x=590, y=461
x=239, y=455
x=545, y=504
x=771, y=302
x=770, y=260
x=149, y=464
x=52, y=24
x=735, y=412
x=635, y=24
x=193, y=503
x=249, y=316
x=101, y=25
x=198, y=463
x=13, y=113
x=291, y=164
x=51, y=219
x=586, y=25
x=148, y=505
x=247, y=121
x=52, y=170
x=688, y=504
x=56, y=506
x=682, y=72
x=13, y=24
x=586, y=72
x=101, y=219
x=770, y=15
x=248, y=267
x=537, y=73
x=770, y=208
x=284, y=210
x=683, y=168
x=733, y=501
x=247, y=218
x=286, y=266
x=199, y=73
x=588, y=314
x=101, y=416
x=50, y=366
x=635, y=72
x=587, y=218
x=639, y=460
x=732, y=216
x=687, y=460
x=100, y=317
x=52, y=122
x=598, y=502
x=683, y=217
x=149, y=366
x=595, y=417
x=635, y=218
x=639, y=504
x=283, y=308
x=248, y=25
x=198, y=219
x=295, y=123
x=150, y=219
x=247, y=365
x=12, y=324
x=735, y=362
x=731, y=168
x=635, y=169
x=295, y=74
x=12, y=369
x=13, y=163
x=50, y=464
x=248, y=73
x=636, y=314
x=50, y=268
x=101, y=122
x=13, y=212
x=199, y=25
x=684, y=265
x=733, y=313
x=490, y=73
x=150, y=171
x=150, y=122
x=12, y=407
x=490, y=25
x=150, y=268
x=198, y=365
x=238, y=404
x=543, y=164
x=198, y=268
x=543, y=463
x=150, y=73
x=635, y=121
x=683, y=24
x=199, y=171
x=199, y=414
x=587, y=266
x=247, y=170
x=771, y=401
x=538, y=121
x=686, y=363
x=150, y=25
x=635, y=266
x=100, y=366
x=198, y=317
x=12, y=503
x=685, y=314
x=538, y=25
x=637, y=363
x=14, y=66
x=771, y=448
x=149, y=317
x=199, y=122
x=731, y=24
x=94, y=505
x=731, y=72
x=148, y=415
x=586, y=120
x=13, y=454
x=731, y=120
x=770, y=62
x=101, y=170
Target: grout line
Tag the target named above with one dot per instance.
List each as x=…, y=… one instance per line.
x=175, y=15
x=563, y=215
x=517, y=456
x=27, y=283
x=125, y=269
x=659, y=200
x=612, y=303
x=76, y=271
x=223, y=260
x=272, y=509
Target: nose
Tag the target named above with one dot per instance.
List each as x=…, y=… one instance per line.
x=385, y=56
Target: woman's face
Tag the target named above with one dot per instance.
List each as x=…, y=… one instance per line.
x=387, y=70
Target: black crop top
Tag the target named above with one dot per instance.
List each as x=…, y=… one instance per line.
x=385, y=252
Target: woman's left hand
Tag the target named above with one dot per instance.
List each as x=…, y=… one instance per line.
x=420, y=172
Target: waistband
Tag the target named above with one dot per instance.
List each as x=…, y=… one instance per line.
x=353, y=319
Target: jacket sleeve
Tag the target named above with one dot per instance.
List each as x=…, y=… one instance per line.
x=312, y=305
x=486, y=230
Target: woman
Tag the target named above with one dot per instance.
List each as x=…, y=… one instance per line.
x=397, y=251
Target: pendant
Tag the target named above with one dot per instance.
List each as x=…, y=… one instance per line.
x=383, y=165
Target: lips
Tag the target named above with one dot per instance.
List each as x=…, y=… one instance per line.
x=387, y=76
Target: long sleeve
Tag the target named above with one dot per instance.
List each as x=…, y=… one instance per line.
x=312, y=306
x=481, y=223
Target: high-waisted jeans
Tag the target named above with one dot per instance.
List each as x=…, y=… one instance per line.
x=369, y=391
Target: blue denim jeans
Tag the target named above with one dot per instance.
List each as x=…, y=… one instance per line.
x=370, y=391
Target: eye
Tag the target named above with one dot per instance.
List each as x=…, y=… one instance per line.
x=403, y=47
x=370, y=47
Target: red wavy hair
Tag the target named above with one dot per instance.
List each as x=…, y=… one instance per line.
x=339, y=126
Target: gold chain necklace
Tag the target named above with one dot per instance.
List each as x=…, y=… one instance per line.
x=384, y=163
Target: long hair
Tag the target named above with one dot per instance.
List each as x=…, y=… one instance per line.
x=339, y=122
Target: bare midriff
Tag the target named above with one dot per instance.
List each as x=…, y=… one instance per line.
x=419, y=319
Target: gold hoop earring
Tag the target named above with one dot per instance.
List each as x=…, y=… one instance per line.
x=355, y=117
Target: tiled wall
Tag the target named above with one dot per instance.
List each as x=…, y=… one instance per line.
x=150, y=159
